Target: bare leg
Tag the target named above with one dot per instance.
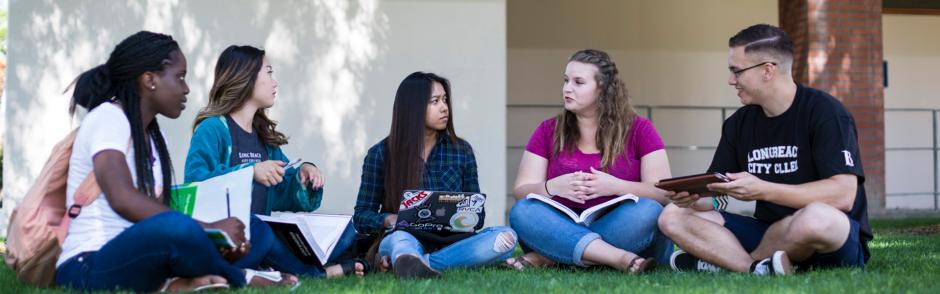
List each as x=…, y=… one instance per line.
x=815, y=228
x=600, y=252
x=702, y=233
x=772, y=237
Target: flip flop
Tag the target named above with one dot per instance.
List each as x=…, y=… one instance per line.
x=216, y=286
x=275, y=277
x=349, y=266
x=166, y=286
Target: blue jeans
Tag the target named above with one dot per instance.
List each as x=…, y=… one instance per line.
x=143, y=256
x=478, y=250
x=269, y=251
x=631, y=227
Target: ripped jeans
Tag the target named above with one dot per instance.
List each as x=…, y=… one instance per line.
x=490, y=245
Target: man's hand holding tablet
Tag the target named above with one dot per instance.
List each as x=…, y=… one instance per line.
x=686, y=191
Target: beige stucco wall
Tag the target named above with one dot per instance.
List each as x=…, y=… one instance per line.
x=912, y=50
x=338, y=64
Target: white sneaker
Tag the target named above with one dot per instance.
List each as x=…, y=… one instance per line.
x=778, y=265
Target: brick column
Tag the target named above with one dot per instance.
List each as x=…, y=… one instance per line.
x=839, y=50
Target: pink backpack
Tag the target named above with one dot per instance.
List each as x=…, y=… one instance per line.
x=39, y=223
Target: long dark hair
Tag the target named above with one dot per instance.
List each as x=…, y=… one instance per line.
x=403, y=165
x=615, y=114
x=235, y=75
x=116, y=81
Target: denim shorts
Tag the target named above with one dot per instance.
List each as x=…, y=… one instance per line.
x=750, y=231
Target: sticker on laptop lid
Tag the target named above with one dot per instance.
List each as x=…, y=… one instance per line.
x=424, y=213
x=464, y=221
x=414, y=198
x=472, y=204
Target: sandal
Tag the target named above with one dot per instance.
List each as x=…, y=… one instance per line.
x=275, y=278
x=212, y=286
x=643, y=266
x=349, y=266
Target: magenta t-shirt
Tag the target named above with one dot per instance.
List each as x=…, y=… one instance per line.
x=643, y=140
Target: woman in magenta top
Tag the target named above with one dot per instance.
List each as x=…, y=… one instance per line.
x=595, y=150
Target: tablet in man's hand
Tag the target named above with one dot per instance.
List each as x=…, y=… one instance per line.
x=694, y=184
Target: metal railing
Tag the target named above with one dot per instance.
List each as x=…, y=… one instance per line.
x=649, y=111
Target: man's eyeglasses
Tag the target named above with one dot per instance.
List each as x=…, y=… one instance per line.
x=737, y=73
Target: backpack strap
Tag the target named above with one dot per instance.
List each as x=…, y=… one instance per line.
x=86, y=193
x=89, y=190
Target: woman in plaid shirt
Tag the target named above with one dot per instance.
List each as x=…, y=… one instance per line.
x=422, y=151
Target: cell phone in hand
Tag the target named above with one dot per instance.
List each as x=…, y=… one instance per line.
x=694, y=184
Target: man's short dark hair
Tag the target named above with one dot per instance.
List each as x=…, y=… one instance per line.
x=764, y=38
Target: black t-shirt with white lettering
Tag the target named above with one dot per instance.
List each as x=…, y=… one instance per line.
x=814, y=139
x=247, y=147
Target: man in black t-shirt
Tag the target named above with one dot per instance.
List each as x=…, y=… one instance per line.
x=793, y=150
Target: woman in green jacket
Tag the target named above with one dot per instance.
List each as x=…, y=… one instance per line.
x=233, y=132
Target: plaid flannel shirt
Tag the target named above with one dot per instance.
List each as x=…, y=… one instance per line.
x=449, y=167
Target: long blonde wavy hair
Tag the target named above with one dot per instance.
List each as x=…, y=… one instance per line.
x=615, y=114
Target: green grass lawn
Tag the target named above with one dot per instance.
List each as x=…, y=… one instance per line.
x=906, y=258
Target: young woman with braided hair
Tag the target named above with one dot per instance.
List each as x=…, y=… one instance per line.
x=128, y=238
x=594, y=150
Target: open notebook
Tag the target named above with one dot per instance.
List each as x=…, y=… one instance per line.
x=587, y=216
x=310, y=236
